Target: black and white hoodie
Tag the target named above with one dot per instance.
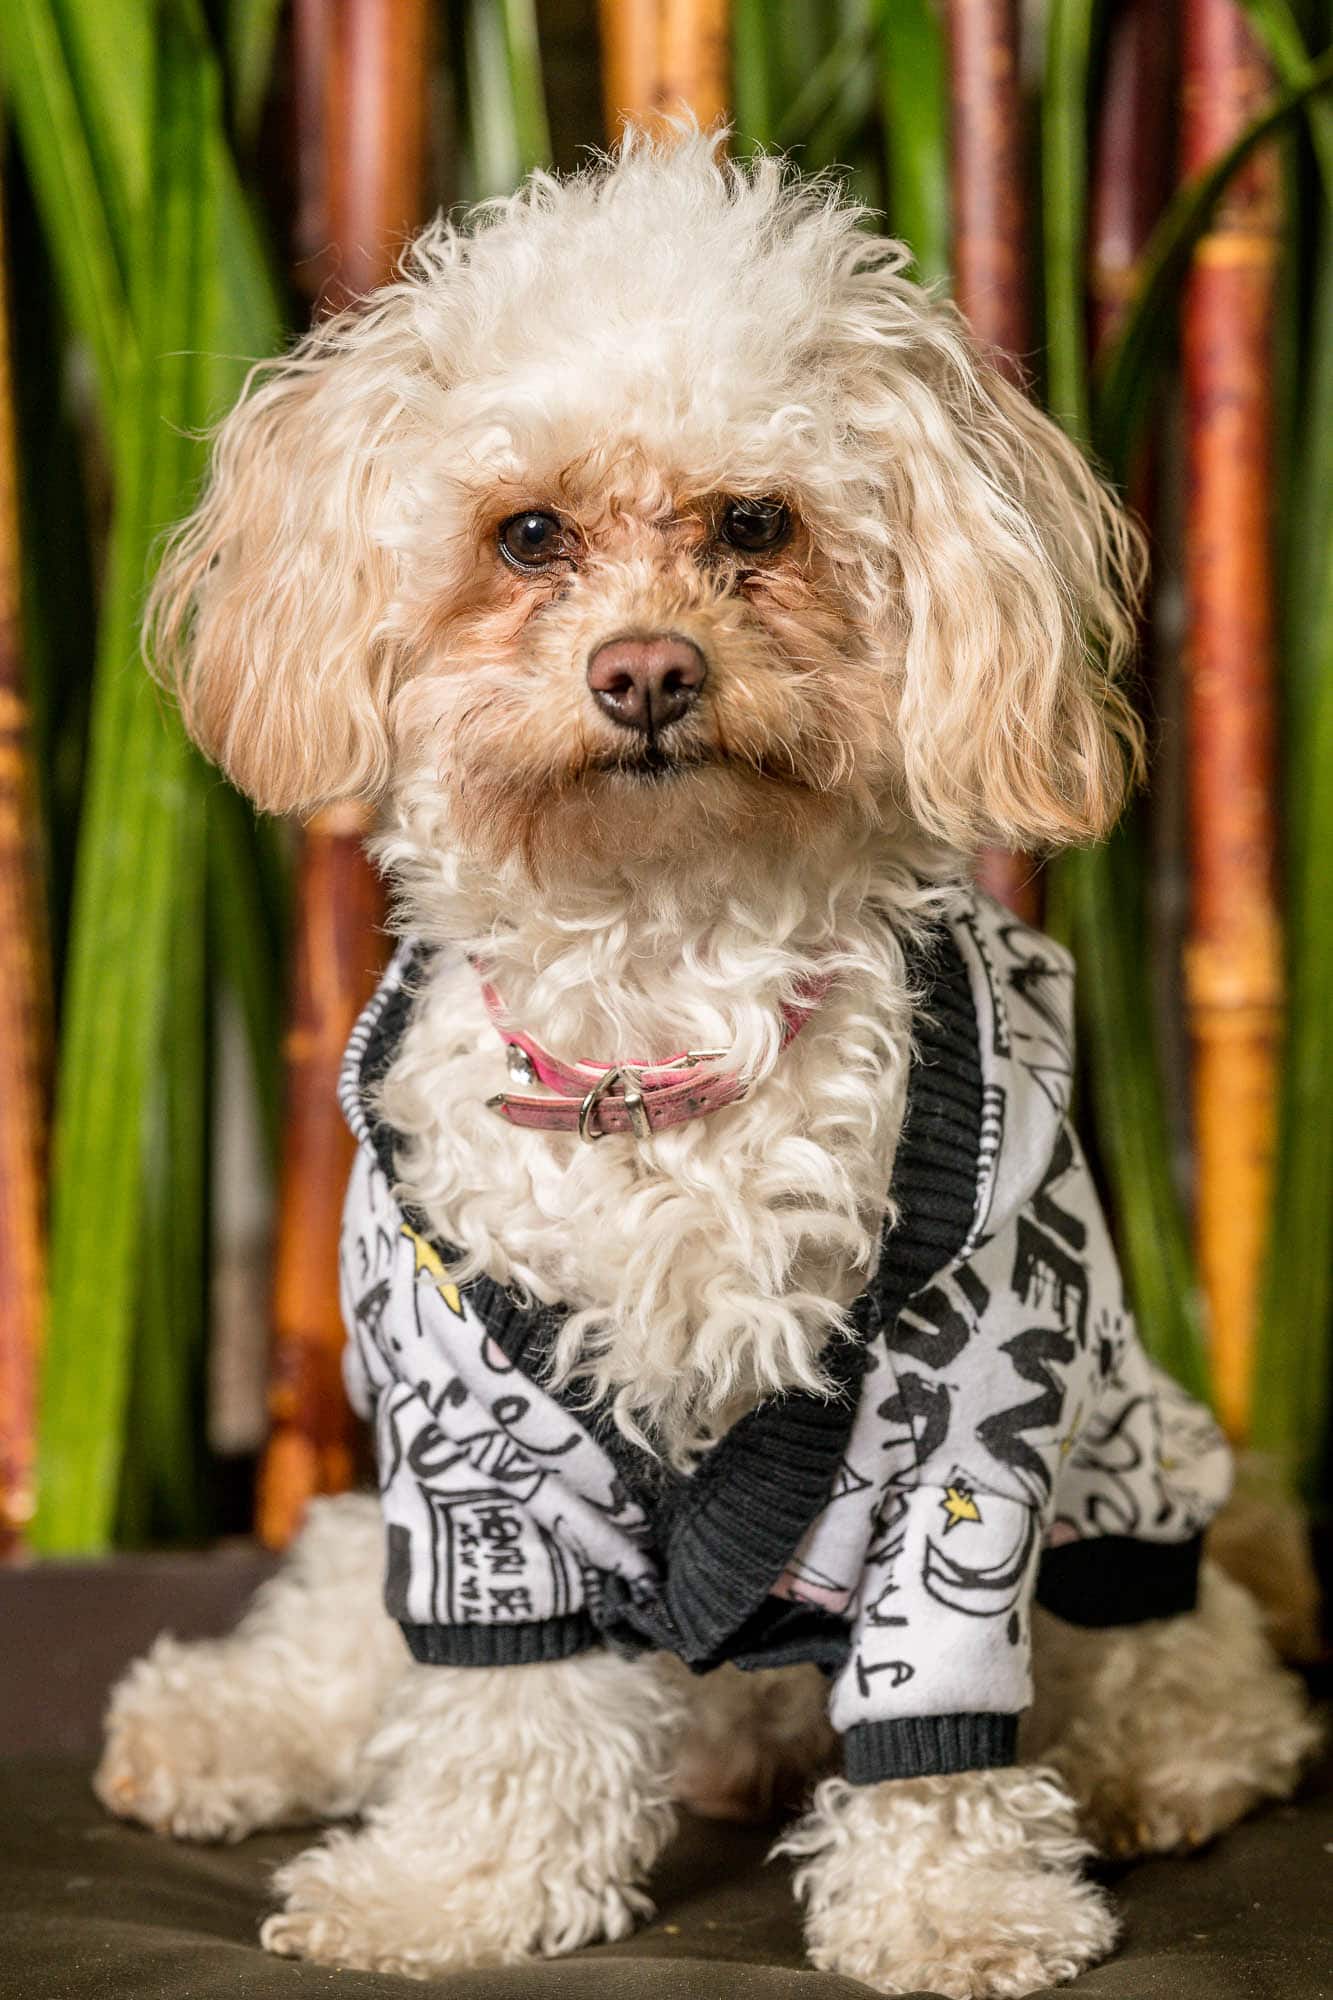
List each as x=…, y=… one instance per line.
x=997, y=1433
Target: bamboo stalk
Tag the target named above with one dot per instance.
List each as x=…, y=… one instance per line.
x=336, y=954
x=1233, y=965
x=1131, y=158
x=23, y=1014
x=662, y=56
x=988, y=177
x=361, y=70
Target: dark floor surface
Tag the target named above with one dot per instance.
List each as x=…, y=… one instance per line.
x=92, y=1910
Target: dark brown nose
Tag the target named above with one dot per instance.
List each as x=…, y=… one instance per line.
x=647, y=683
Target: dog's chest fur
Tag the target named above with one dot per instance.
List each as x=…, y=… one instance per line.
x=704, y=1267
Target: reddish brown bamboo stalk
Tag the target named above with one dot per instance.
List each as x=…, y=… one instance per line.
x=23, y=1017
x=1233, y=967
x=1132, y=156
x=361, y=69
x=988, y=173
x=659, y=56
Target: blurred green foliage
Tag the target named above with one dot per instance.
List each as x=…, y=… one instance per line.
x=146, y=217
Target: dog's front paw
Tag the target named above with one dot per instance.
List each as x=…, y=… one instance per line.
x=384, y=1900
x=174, y=1760
x=965, y=1886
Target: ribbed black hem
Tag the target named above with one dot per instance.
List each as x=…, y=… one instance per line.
x=1116, y=1580
x=928, y=1746
x=502, y=1645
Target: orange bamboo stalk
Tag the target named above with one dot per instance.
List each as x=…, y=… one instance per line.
x=361, y=68
x=337, y=951
x=662, y=56
x=1233, y=965
x=23, y=1015
x=987, y=173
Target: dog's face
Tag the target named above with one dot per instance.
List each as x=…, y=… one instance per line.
x=660, y=515
x=643, y=654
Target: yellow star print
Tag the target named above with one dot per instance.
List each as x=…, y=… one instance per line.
x=1067, y=1441
x=429, y=1261
x=959, y=1505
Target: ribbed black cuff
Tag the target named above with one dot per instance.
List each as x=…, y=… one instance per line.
x=928, y=1746
x=502, y=1645
x=1116, y=1580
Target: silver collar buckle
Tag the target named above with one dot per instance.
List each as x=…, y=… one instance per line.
x=631, y=1096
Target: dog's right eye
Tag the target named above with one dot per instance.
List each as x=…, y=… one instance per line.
x=534, y=540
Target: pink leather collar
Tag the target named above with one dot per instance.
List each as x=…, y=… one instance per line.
x=595, y=1099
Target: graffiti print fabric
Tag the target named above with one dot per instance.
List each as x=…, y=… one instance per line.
x=1000, y=1429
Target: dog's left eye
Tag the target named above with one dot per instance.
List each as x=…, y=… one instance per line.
x=756, y=526
x=532, y=540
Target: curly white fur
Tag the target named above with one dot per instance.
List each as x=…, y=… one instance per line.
x=213, y=1740
x=779, y=1206
x=933, y=658
x=512, y=1810
x=966, y=1886
x=1167, y=1733
x=553, y=1783
x=625, y=341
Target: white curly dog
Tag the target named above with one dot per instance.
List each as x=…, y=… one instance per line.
x=691, y=597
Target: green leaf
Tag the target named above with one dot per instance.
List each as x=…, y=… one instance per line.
x=1279, y=31
x=250, y=30
x=756, y=90
x=248, y=912
x=532, y=132
x=505, y=106
x=836, y=96
x=70, y=186
x=127, y=884
x=165, y=1477
x=1102, y=886
x=914, y=97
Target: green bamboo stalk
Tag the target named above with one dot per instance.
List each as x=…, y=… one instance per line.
x=127, y=877
x=1294, y=1357
x=1295, y=1347
x=1064, y=210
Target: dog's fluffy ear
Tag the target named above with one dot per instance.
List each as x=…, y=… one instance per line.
x=1020, y=578
x=268, y=615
